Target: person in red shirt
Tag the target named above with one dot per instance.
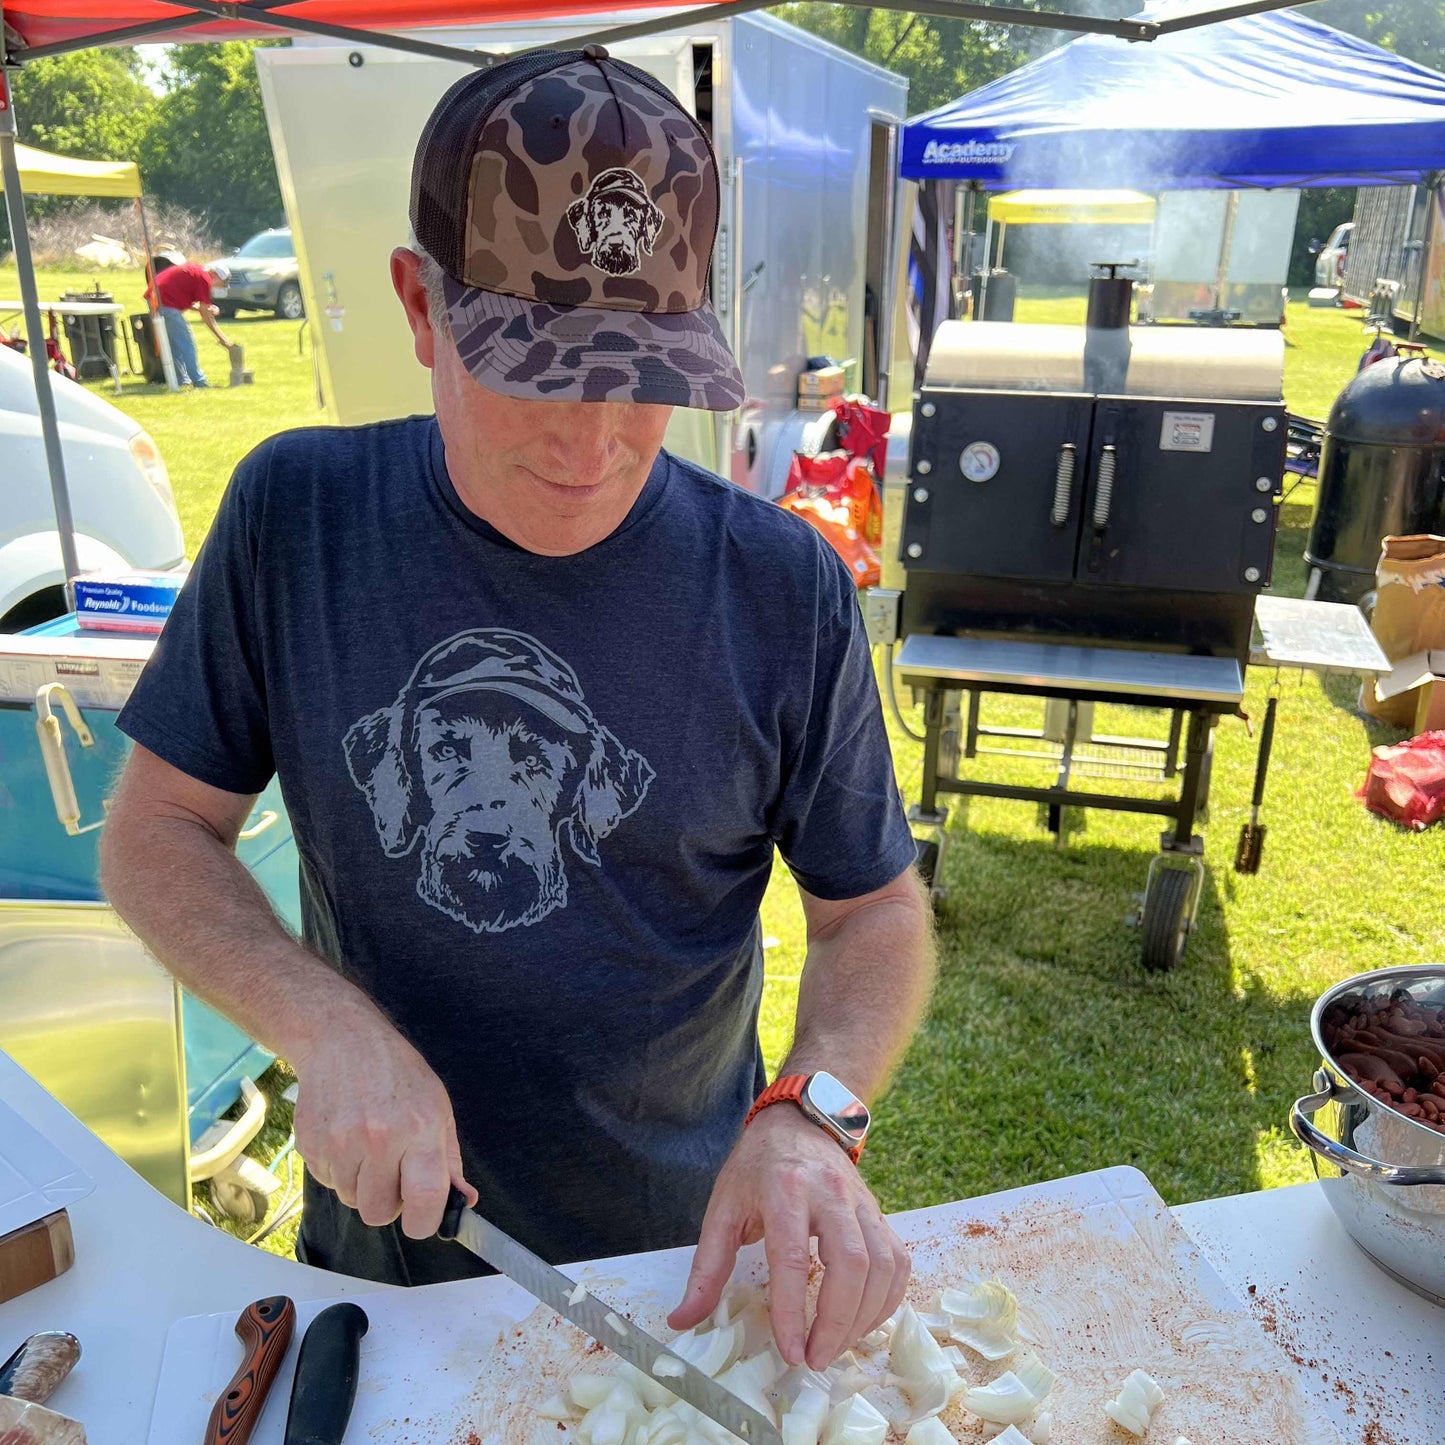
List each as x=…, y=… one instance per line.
x=179, y=285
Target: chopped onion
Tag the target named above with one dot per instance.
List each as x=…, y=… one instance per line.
x=913, y=1353
x=613, y=1323
x=666, y=1368
x=1038, y=1379
x=1011, y=1435
x=589, y=1391
x=1006, y=1401
x=1043, y=1429
x=931, y=1431
x=554, y=1407
x=855, y=1422
x=747, y=1379
x=711, y=1353
x=804, y=1420
x=1136, y=1402
x=985, y=1318
x=576, y=1295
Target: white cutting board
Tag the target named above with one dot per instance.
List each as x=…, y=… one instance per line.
x=1105, y=1278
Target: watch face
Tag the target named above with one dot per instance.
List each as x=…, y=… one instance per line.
x=838, y=1108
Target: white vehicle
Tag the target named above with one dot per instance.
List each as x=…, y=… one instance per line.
x=120, y=495
x=1330, y=263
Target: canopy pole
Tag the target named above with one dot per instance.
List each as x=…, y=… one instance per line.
x=1226, y=250
x=35, y=336
x=1433, y=194
x=160, y=337
x=1002, y=232
x=987, y=267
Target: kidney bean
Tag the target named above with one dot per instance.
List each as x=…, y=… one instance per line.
x=1438, y=1088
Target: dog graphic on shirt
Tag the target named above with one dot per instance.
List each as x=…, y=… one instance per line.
x=488, y=760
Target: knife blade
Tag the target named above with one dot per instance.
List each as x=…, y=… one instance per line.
x=596, y=1318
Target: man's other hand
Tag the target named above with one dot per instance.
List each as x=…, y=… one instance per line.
x=788, y=1182
x=374, y=1124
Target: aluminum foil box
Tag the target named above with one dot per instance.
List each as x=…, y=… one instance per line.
x=125, y=601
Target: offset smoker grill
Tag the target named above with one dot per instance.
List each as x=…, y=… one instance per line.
x=1090, y=517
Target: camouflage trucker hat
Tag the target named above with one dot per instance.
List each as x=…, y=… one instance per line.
x=572, y=204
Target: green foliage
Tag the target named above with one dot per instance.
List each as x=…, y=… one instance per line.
x=1412, y=28
x=208, y=148
x=941, y=58
x=93, y=103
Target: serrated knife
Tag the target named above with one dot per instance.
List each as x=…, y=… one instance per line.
x=597, y=1318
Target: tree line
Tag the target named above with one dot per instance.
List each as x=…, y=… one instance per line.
x=200, y=139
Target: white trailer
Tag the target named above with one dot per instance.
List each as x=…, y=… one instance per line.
x=807, y=253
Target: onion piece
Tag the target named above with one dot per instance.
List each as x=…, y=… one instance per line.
x=805, y=1419
x=554, y=1407
x=1011, y=1435
x=1136, y=1402
x=711, y=1353
x=587, y=1392
x=1006, y=1401
x=1042, y=1430
x=985, y=1318
x=1038, y=1379
x=577, y=1294
x=913, y=1353
x=855, y=1422
x=666, y=1368
x=931, y=1431
x=614, y=1323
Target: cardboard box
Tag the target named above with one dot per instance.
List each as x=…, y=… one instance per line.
x=1415, y=691
x=1408, y=619
x=97, y=671
x=126, y=601
x=817, y=388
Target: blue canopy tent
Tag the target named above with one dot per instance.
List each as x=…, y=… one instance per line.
x=1264, y=100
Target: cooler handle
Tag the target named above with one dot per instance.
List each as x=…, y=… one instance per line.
x=52, y=751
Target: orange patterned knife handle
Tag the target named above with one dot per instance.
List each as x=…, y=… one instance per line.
x=264, y=1328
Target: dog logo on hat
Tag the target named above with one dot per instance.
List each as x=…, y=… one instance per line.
x=616, y=222
x=488, y=760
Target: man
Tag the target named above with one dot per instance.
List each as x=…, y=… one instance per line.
x=179, y=285
x=542, y=700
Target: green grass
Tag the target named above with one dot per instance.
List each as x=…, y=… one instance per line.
x=1047, y=1049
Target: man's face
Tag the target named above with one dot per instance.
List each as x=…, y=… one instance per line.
x=556, y=477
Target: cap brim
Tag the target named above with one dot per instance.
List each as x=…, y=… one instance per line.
x=582, y=353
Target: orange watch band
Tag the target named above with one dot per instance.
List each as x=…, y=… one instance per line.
x=789, y=1090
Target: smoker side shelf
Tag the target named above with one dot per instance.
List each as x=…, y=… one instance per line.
x=1126, y=673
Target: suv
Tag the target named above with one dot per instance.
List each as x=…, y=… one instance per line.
x=120, y=495
x=262, y=275
x=1330, y=262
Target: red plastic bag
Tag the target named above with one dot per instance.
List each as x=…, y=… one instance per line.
x=863, y=431
x=1406, y=783
x=836, y=495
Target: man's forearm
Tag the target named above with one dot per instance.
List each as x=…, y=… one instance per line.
x=865, y=985
x=195, y=906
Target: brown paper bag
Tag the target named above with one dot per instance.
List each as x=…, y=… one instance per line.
x=1409, y=615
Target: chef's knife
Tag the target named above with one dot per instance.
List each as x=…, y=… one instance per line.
x=324, y=1389
x=604, y=1324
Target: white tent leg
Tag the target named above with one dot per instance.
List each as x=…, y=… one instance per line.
x=44, y=397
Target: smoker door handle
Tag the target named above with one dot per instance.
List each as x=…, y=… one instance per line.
x=1063, y=484
x=1104, y=495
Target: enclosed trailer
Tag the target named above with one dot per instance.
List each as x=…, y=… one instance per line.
x=806, y=258
x=1399, y=243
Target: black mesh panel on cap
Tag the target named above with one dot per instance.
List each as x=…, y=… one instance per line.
x=441, y=169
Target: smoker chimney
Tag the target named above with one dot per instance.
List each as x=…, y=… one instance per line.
x=1110, y=297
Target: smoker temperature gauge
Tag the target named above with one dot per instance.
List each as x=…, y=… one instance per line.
x=979, y=461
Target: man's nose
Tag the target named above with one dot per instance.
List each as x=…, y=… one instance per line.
x=587, y=437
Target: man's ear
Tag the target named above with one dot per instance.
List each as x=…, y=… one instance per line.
x=406, y=279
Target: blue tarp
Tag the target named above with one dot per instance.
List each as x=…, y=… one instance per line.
x=1265, y=100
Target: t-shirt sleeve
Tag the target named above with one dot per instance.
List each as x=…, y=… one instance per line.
x=840, y=823
x=200, y=701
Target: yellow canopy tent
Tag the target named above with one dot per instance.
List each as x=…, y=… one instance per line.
x=1065, y=208
x=44, y=174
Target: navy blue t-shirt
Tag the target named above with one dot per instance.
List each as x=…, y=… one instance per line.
x=536, y=801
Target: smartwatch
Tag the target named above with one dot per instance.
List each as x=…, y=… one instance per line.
x=834, y=1108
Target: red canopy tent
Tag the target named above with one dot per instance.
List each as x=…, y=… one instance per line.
x=32, y=29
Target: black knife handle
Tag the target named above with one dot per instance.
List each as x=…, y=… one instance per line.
x=327, y=1367
x=452, y=1214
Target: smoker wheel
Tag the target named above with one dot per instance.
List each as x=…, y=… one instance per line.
x=1165, y=923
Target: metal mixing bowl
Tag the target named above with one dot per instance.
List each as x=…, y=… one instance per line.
x=1384, y=1174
